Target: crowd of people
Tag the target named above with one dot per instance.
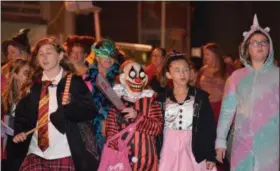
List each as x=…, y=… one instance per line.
x=175, y=114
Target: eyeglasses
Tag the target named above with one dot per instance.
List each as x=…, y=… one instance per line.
x=256, y=43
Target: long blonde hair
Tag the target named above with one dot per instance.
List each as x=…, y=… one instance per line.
x=12, y=92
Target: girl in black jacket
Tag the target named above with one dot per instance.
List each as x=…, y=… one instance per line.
x=189, y=129
x=62, y=142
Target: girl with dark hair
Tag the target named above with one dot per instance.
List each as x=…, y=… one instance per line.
x=189, y=127
x=57, y=104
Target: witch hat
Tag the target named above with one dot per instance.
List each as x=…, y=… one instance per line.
x=20, y=40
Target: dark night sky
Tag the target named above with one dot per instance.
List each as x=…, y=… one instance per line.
x=224, y=23
x=220, y=22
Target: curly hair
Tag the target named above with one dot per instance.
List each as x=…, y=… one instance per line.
x=12, y=92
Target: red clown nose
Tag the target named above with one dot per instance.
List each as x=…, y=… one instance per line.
x=137, y=80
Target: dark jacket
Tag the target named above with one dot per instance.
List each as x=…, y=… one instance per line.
x=66, y=119
x=155, y=85
x=204, y=129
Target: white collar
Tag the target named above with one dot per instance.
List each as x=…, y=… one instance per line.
x=54, y=80
x=123, y=92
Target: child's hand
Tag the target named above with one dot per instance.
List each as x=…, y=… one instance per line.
x=19, y=137
x=221, y=152
x=210, y=165
x=131, y=113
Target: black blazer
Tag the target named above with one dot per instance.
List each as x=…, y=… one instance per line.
x=204, y=128
x=66, y=119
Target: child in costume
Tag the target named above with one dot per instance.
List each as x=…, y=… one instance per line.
x=13, y=92
x=16, y=47
x=189, y=127
x=57, y=143
x=252, y=97
x=106, y=64
x=139, y=103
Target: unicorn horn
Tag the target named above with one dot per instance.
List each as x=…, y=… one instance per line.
x=255, y=22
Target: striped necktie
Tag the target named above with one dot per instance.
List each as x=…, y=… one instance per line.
x=43, y=114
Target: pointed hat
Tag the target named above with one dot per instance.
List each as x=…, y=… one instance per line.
x=20, y=40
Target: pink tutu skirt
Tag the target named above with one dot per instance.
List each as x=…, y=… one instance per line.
x=176, y=153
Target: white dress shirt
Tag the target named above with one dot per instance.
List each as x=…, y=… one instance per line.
x=179, y=116
x=58, y=144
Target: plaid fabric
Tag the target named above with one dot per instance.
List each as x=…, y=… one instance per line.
x=35, y=163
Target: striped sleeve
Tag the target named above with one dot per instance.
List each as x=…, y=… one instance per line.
x=153, y=119
x=112, y=127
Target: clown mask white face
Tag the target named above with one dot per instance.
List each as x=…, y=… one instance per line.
x=133, y=78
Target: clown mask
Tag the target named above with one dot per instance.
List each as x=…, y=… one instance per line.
x=133, y=77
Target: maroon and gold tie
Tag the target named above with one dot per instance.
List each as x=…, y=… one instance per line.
x=43, y=114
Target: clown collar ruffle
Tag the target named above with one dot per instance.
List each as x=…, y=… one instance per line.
x=123, y=92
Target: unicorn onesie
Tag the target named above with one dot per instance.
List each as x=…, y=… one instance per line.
x=252, y=98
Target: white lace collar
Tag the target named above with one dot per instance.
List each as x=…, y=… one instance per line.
x=123, y=92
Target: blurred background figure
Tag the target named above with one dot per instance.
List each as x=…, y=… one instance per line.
x=196, y=64
x=276, y=62
x=212, y=76
x=238, y=64
x=78, y=48
x=228, y=59
x=16, y=47
x=229, y=62
x=153, y=69
x=157, y=58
